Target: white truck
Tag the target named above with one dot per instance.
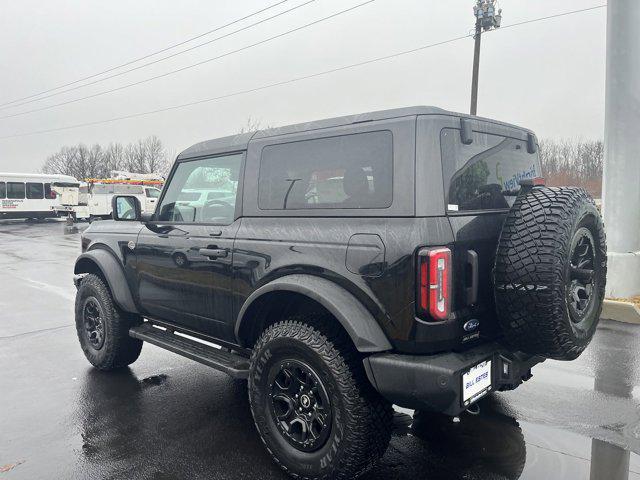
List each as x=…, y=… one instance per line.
x=98, y=194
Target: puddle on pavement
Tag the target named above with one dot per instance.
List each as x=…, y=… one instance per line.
x=492, y=445
x=542, y=431
x=122, y=423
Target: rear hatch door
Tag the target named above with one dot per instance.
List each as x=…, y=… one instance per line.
x=482, y=168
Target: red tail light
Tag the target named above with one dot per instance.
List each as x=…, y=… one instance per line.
x=434, y=282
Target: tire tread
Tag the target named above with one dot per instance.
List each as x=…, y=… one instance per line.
x=529, y=276
x=367, y=429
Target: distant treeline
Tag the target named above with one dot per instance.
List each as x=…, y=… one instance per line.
x=96, y=161
x=573, y=162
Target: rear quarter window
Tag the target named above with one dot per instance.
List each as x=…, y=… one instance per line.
x=484, y=175
x=344, y=172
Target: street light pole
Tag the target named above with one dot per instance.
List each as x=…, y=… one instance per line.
x=476, y=68
x=620, y=192
x=487, y=18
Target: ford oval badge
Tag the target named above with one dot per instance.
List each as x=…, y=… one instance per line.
x=471, y=325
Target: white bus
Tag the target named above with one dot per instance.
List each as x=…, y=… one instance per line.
x=27, y=195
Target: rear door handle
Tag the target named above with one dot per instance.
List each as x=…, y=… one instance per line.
x=213, y=252
x=472, y=290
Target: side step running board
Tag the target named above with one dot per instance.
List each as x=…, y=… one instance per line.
x=227, y=362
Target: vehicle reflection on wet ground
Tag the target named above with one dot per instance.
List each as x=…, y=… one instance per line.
x=169, y=418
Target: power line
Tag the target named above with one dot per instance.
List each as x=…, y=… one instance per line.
x=193, y=65
x=144, y=65
x=557, y=15
x=135, y=60
x=241, y=92
x=285, y=82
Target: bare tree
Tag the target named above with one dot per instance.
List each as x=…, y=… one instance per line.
x=156, y=155
x=114, y=157
x=62, y=162
x=252, y=125
x=134, y=157
x=144, y=156
x=166, y=166
x=575, y=162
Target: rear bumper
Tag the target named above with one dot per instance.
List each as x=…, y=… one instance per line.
x=434, y=382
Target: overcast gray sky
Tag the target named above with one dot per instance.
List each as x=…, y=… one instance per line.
x=548, y=76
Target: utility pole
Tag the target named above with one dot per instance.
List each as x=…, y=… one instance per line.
x=486, y=19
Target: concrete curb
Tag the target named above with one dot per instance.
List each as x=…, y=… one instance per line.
x=619, y=311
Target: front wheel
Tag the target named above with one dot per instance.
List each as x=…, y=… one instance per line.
x=312, y=404
x=103, y=330
x=180, y=259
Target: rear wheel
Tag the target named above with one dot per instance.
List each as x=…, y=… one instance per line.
x=315, y=410
x=103, y=330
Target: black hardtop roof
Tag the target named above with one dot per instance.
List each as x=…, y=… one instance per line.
x=240, y=141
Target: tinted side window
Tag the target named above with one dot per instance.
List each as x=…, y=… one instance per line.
x=35, y=191
x=202, y=191
x=3, y=190
x=15, y=190
x=48, y=193
x=484, y=175
x=349, y=171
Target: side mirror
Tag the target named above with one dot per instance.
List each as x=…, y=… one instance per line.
x=126, y=208
x=146, y=217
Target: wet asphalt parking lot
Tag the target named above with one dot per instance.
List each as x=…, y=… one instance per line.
x=167, y=417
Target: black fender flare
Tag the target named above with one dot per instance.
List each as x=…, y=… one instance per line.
x=362, y=327
x=113, y=273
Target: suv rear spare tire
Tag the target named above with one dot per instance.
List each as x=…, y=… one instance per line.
x=550, y=272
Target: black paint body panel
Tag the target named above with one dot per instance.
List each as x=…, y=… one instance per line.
x=368, y=254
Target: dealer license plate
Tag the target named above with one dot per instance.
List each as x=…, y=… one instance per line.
x=476, y=382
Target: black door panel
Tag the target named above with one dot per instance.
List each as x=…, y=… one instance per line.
x=178, y=283
x=184, y=256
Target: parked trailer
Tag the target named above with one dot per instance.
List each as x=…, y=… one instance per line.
x=27, y=195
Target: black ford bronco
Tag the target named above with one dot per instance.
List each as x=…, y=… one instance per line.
x=410, y=257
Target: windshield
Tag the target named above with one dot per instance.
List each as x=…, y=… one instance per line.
x=153, y=193
x=485, y=174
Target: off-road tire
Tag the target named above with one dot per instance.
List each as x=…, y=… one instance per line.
x=118, y=349
x=533, y=276
x=361, y=419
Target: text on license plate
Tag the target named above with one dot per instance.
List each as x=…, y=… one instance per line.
x=476, y=382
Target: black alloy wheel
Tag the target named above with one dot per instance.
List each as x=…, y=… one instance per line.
x=300, y=405
x=92, y=316
x=581, y=287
